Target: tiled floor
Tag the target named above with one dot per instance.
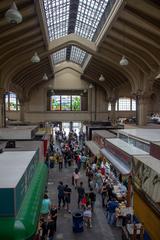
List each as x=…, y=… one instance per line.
x=100, y=231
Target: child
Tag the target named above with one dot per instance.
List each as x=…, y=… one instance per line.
x=88, y=216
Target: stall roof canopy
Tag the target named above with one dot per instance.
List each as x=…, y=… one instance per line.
x=149, y=135
x=150, y=161
x=128, y=148
x=116, y=162
x=104, y=134
x=93, y=147
x=13, y=166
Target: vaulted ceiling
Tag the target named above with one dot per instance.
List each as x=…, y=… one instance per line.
x=134, y=31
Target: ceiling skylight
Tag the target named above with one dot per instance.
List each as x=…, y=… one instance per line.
x=57, y=17
x=59, y=56
x=77, y=55
x=88, y=17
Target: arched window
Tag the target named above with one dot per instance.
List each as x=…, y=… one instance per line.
x=11, y=102
x=124, y=104
x=109, y=106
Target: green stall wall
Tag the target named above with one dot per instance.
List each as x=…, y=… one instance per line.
x=24, y=226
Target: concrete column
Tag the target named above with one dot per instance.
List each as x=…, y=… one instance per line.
x=113, y=111
x=92, y=105
x=2, y=108
x=143, y=101
x=23, y=109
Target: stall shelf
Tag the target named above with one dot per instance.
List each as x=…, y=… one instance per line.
x=24, y=225
x=120, y=155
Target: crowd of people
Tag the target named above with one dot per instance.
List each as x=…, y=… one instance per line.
x=70, y=152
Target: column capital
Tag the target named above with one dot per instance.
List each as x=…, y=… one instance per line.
x=2, y=92
x=141, y=95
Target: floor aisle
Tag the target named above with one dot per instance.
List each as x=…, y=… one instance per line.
x=100, y=231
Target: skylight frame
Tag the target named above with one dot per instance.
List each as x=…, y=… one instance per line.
x=89, y=16
x=57, y=17
x=77, y=55
x=59, y=56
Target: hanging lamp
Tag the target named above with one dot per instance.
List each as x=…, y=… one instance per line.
x=123, y=61
x=35, y=58
x=45, y=77
x=12, y=15
x=101, y=78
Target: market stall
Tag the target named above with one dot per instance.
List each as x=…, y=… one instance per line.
x=99, y=136
x=146, y=182
x=21, y=191
x=93, y=147
x=119, y=154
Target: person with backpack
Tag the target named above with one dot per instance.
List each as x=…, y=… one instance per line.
x=92, y=197
x=81, y=193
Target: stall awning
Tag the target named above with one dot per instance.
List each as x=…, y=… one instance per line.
x=116, y=162
x=93, y=147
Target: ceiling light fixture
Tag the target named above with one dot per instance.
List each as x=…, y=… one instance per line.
x=45, y=77
x=35, y=58
x=123, y=61
x=12, y=15
x=90, y=85
x=158, y=76
x=101, y=78
x=52, y=92
x=85, y=90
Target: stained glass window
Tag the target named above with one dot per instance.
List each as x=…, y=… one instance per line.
x=76, y=103
x=11, y=102
x=65, y=103
x=55, y=103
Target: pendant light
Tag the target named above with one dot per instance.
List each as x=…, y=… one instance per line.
x=12, y=15
x=90, y=85
x=123, y=61
x=35, y=58
x=85, y=90
x=45, y=77
x=101, y=78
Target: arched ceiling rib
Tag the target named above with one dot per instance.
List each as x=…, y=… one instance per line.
x=138, y=24
x=135, y=34
x=18, y=44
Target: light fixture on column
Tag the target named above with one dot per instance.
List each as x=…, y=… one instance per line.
x=12, y=15
x=35, y=58
x=45, y=77
x=123, y=61
x=101, y=78
x=90, y=85
x=52, y=92
x=85, y=90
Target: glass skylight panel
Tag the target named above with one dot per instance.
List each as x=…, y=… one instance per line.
x=57, y=17
x=59, y=56
x=88, y=17
x=77, y=55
